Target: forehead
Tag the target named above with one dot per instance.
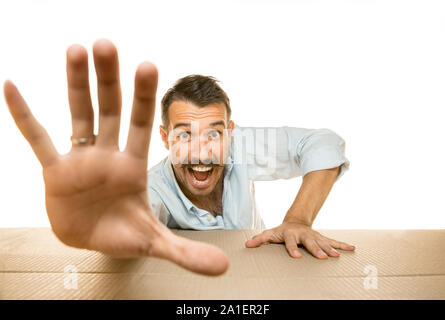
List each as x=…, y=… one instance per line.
x=186, y=112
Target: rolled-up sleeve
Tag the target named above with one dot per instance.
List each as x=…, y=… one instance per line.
x=321, y=149
x=287, y=152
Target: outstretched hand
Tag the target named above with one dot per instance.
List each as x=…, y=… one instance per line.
x=96, y=195
x=293, y=233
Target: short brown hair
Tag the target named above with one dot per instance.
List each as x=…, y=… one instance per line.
x=198, y=89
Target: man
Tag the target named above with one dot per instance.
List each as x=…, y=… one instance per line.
x=97, y=196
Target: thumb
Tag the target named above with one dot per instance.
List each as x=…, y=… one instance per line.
x=258, y=240
x=196, y=256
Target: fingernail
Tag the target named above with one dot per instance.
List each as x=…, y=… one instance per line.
x=334, y=251
x=321, y=253
x=296, y=254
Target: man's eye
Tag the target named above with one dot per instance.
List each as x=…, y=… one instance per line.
x=184, y=136
x=214, y=134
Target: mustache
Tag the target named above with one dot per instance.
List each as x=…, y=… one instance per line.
x=200, y=163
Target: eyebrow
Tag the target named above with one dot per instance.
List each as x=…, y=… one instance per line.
x=213, y=124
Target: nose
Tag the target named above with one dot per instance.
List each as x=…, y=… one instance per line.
x=200, y=151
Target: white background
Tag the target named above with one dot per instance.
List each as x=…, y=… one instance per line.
x=372, y=71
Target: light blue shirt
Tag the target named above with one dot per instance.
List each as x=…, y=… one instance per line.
x=256, y=153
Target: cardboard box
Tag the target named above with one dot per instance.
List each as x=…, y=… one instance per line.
x=387, y=264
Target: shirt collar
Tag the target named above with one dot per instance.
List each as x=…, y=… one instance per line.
x=174, y=184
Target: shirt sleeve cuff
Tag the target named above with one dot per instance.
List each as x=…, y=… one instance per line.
x=325, y=158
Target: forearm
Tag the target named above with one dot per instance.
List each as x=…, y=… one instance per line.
x=314, y=190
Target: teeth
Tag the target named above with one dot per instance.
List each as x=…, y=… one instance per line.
x=202, y=169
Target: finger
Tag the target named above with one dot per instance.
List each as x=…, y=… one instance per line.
x=341, y=245
x=325, y=246
x=291, y=246
x=82, y=115
x=195, y=256
x=108, y=92
x=312, y=246
x=33, y=132
x=258, y=239
x=145, y=85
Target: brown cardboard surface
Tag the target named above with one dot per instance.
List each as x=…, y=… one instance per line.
x=410, y=265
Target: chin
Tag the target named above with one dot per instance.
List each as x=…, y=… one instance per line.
x=200, y=191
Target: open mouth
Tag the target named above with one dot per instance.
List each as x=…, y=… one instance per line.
x=200, y=176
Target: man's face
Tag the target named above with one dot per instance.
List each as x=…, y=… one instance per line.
x=199, y=141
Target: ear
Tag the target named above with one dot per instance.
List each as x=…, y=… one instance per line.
x=231, y=126
x=164, y=136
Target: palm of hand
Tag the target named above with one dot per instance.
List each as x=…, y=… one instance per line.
x=100, y=195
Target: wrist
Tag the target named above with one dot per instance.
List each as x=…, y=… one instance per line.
x=298, y=218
